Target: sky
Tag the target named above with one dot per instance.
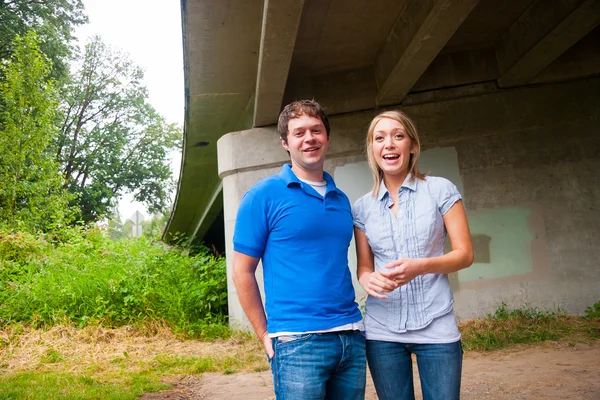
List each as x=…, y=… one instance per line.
x=150, y=32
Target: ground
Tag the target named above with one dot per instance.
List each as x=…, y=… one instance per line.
x=567, y=369
x=546, y=371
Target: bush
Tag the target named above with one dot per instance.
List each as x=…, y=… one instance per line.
x=91, y=279
x=19, y=246
x=18, y=252
x=593, y=311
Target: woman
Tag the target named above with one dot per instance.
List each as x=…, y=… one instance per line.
x=400, y=229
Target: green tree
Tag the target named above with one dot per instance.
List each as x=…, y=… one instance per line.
x=154, y=227
x=127, y=228
x=31, y=187
x=53, y=20
x=115, y=226
x=112, y=140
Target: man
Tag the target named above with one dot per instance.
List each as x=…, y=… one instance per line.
x=300, y=225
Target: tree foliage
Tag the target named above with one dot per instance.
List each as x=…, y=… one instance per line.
x=31, y=187
x=155, y=227
x=53, y=20
x=108, y=140
x=151, y=228
x=112, y=140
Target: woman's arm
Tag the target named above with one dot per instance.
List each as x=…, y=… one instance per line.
x=372, y=282
x=460, y=257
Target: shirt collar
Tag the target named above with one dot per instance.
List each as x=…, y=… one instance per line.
x=288, y=176
x=409, y=183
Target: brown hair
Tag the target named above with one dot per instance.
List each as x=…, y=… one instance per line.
x=411, y=131
x=297, y=109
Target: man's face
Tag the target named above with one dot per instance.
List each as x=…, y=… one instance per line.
x=307, y=143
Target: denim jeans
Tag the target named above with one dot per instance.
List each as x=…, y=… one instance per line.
x=440, y=367
x=317, y=366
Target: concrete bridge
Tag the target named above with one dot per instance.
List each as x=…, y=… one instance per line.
x=506, y=96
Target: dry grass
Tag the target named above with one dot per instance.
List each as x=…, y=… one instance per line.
x=100, y=350
x=132, y=361
x=526, y=327
x=156, y=347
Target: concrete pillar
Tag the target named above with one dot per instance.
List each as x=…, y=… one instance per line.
x=241, y=165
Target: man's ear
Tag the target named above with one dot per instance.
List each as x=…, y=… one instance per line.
x=285, y=145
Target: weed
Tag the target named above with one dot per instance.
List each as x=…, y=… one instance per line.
x=593, y=311
x=51, y=356
x=527, y=325
x=86, y=380
x=204, y=365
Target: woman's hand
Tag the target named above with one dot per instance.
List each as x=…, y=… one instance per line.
x=403, y=270
x=376, y=283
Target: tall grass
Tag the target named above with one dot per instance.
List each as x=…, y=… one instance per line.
x=83, y=278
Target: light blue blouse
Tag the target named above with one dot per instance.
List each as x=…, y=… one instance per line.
x=417, y=231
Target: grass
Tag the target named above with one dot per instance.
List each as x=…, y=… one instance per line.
x=52, y=385
x=64, y=362
x=526, y=326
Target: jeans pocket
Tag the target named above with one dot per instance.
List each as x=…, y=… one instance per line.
x=282, y=340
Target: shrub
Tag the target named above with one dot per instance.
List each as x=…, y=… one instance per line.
x=593, y=311
x=19, y=246
x=91, y=279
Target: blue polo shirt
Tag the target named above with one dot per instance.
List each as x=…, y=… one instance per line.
x=302, y=239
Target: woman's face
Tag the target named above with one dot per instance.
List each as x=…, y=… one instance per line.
x=392, y=147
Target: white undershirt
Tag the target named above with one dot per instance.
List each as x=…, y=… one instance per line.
x=354, y=326
x=320, y=187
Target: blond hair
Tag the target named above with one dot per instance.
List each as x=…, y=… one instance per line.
x=411, y=131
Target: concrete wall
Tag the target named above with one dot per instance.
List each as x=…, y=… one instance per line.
x=526, y=161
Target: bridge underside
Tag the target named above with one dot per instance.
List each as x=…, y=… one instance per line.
x=245, y=59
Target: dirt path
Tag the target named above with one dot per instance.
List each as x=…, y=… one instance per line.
x=549, y=371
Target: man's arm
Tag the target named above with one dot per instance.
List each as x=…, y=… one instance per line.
x=244, y=278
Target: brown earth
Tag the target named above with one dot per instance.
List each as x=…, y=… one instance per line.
x=547, y=371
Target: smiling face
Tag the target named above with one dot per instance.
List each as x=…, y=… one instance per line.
x=307, y=142
x=392, y=147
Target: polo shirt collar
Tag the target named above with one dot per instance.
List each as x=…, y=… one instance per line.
x=288, y=177
x=408, y=183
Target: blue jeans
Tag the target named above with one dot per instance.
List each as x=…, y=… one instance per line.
x=440, y=367
x=316, y=366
